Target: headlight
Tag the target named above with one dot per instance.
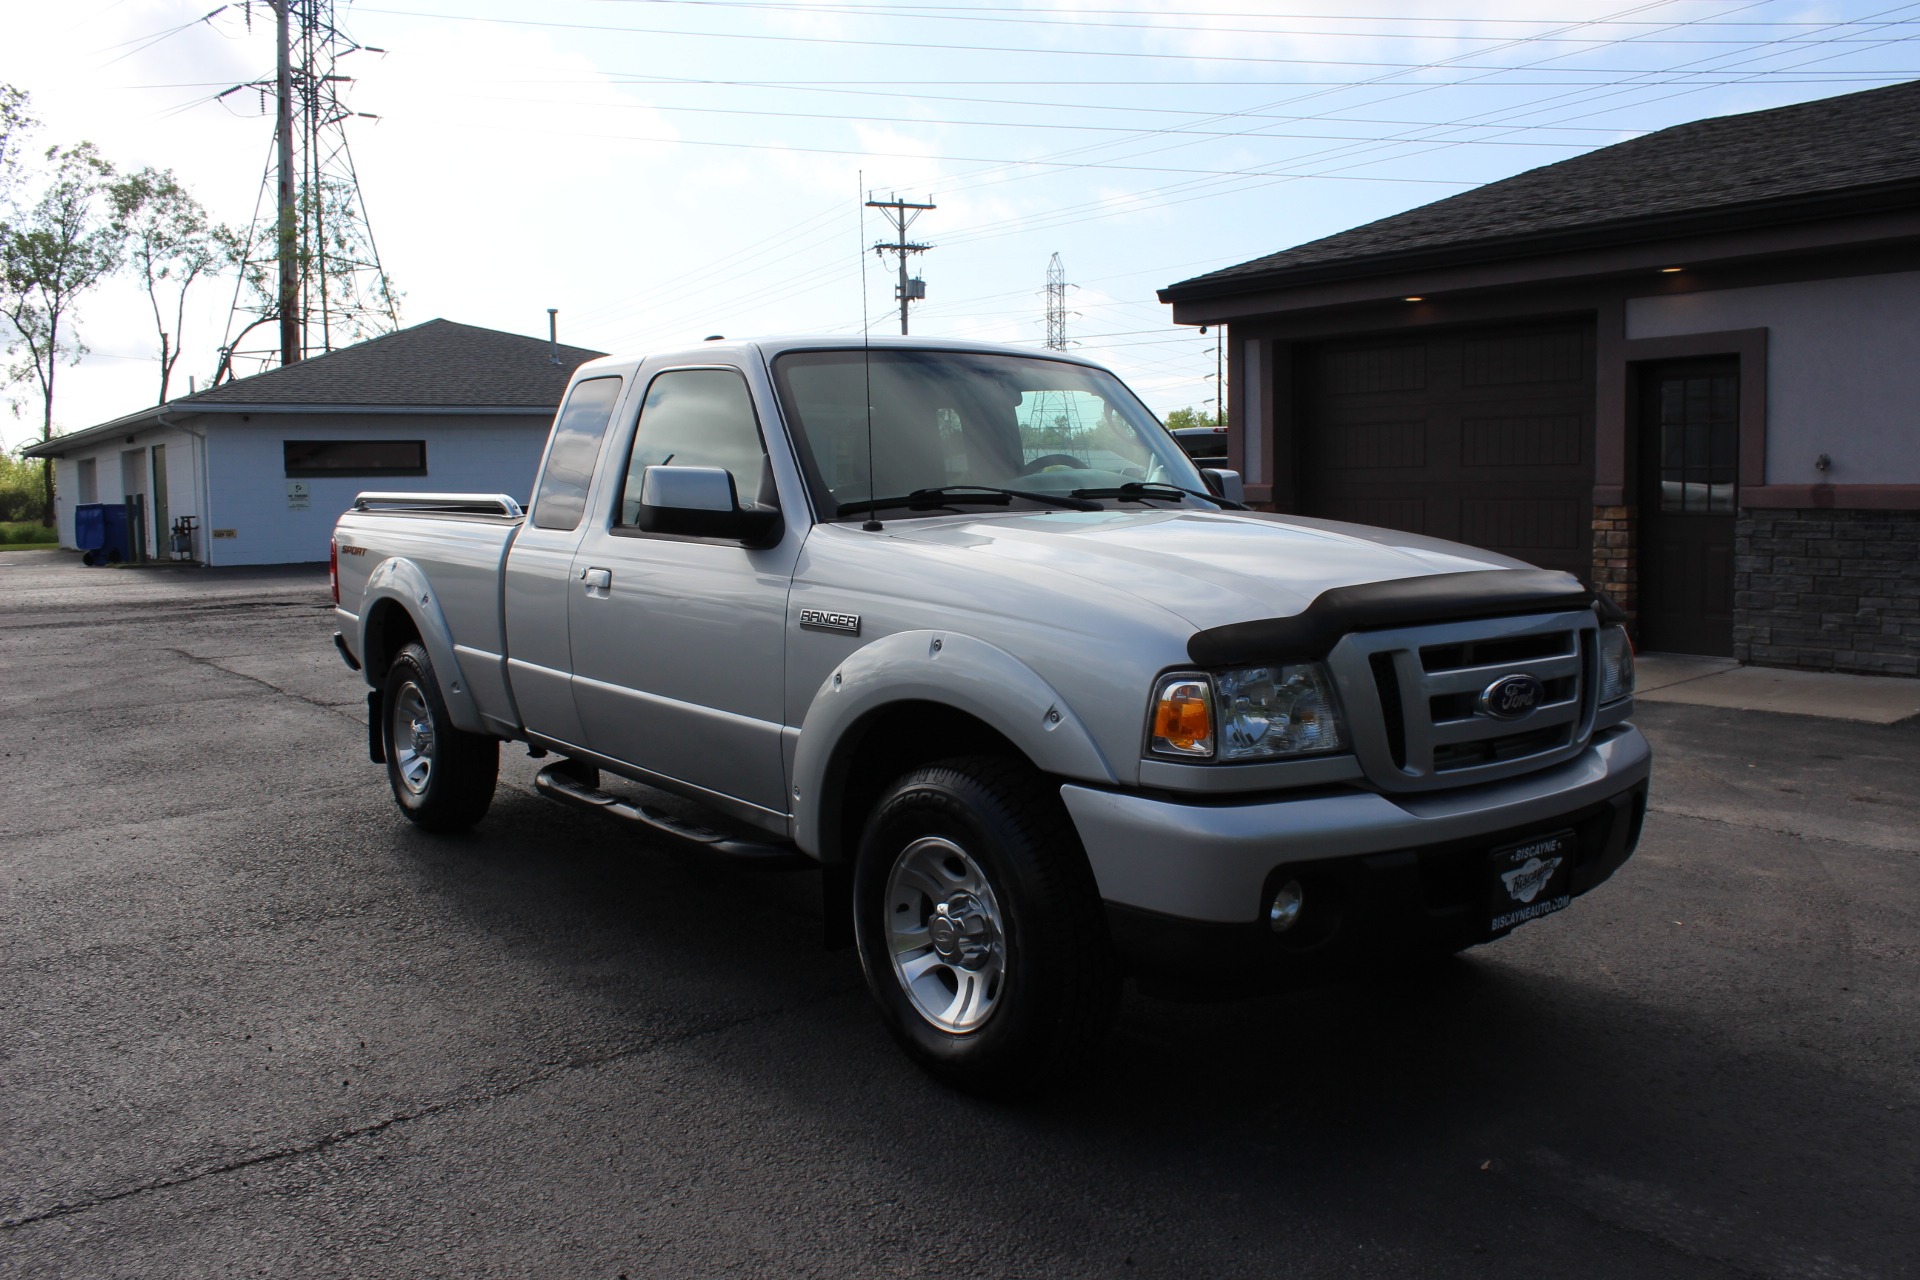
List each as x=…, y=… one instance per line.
x=1254, y=713
x=1616, y=664
x=1277, y=711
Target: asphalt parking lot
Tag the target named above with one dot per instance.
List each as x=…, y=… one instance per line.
x=253, y=1023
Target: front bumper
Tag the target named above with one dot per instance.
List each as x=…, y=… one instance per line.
x=1186, y=884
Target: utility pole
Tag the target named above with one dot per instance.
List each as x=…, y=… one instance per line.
x=1219, y=377
x=902, y=214
x=313, y=256
x=1056, y=305
x=289, y=242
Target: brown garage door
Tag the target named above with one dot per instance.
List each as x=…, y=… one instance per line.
x=1480, y=436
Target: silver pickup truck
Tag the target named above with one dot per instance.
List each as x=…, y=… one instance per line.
x=962, y=628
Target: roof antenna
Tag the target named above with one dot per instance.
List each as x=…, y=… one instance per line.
x=553, y=335
x=872, y=524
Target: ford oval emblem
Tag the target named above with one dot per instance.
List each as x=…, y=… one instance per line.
x=1511, y=697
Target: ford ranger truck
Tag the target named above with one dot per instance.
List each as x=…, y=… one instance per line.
x=963, y=628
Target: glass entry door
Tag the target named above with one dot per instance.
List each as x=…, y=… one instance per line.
x=1689, y=464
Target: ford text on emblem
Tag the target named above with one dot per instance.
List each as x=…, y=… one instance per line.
x=824, y=620
x=1511, y=697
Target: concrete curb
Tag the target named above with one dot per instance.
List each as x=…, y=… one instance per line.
x=1722, y=682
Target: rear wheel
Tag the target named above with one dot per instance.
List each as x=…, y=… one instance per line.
x=442, y=777
x=980, y=928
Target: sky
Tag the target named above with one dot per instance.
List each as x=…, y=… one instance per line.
x=662, y=170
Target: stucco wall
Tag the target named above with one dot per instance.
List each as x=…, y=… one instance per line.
x=1843, y=369
x=248, y=481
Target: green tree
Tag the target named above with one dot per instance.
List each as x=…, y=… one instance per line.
x=1191, y=417
x=170, y=245
x=16, y=122
x=60, y=247
x=20, y=496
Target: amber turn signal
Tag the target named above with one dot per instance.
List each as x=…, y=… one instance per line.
x=1183, y=718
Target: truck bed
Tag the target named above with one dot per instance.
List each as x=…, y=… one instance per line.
x=462, y=554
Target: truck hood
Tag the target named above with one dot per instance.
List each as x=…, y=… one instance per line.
x=1210, y=568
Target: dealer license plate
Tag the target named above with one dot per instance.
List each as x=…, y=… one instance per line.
x=1530, y=879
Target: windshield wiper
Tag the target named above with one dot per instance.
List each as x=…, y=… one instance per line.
x=951, y=494
x=1158, y=489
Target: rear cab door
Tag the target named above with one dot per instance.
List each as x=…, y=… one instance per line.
x=678, y=641
x=536, y=590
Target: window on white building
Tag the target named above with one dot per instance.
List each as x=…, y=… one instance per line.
x=320, y=458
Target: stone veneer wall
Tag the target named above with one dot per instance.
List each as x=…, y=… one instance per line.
x=1827, y=590
x=1615, y=571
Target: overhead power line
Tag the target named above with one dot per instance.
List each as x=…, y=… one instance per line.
x=971, y=48
x=914, y=155
x=1087, y=18
x=911, y=10
x=988, y=124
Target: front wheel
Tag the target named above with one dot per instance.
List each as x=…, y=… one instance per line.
x=979, y=927
x=442, y=777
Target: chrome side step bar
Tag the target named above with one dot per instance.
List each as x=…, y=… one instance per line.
x=563, y=781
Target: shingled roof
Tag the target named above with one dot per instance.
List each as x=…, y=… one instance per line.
x=438, y=363
x=437, y=366
x=1774, y=165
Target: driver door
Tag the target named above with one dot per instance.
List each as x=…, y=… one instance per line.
x=679, y=642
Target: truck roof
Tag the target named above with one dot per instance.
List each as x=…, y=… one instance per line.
x=769, y=347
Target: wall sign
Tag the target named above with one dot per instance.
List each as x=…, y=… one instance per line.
x=299, y=495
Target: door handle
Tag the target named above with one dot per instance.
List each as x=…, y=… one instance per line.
x=597, y=579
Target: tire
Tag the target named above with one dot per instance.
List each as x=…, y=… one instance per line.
x=980, y=929
x=442, y=777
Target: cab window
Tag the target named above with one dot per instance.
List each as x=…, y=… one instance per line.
x=570, y=457
x=698, y=418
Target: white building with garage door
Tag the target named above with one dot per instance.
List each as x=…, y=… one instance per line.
x=264, y=465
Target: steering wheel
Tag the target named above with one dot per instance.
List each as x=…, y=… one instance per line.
x=1048, y=460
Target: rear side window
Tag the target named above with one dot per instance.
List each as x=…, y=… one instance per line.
x=697, y=418
x=576, y=443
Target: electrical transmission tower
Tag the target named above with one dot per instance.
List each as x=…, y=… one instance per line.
x=903, y=215
x=1056, y=305
x=310, y=268
x=1055, y=415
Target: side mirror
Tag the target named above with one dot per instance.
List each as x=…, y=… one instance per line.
x=1225, y=483
x=701, y=502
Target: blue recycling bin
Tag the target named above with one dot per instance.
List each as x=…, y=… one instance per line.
x=100, y=531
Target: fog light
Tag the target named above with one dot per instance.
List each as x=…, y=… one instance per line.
x=1285, y=911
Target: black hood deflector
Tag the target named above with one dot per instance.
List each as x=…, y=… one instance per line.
x=1439, y=597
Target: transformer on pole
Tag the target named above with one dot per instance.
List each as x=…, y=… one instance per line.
x=902, y=214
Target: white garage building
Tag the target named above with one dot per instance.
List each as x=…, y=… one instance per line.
x=265, y=464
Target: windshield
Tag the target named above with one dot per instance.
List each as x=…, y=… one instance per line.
x=954, y=418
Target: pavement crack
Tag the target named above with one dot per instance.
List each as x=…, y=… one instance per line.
x=352, y=713
x=540, y=1075
x=1797, y=833
x=1648, y=694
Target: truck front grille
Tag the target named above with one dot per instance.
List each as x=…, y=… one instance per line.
x=1413, y=696
x=1392, y=720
